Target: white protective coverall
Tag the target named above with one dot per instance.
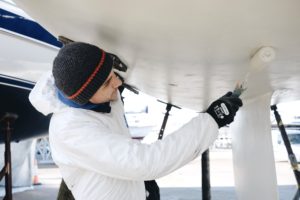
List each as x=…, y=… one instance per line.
x=96, y=155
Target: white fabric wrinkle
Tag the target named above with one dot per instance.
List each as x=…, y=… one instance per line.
x=44, y=95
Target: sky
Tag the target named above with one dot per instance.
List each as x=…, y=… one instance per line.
x=288, y=111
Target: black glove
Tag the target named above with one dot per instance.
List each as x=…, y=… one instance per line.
x=224, y=109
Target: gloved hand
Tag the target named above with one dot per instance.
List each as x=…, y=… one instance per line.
x=224, y=109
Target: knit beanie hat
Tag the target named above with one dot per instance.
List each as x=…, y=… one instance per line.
x=80, y=69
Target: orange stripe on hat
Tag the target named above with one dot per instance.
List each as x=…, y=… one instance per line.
x=91, y=77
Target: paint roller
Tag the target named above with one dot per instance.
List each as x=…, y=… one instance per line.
x=258, y=61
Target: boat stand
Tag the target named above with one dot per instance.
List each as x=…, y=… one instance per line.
x=7, y=120
x=289, y=150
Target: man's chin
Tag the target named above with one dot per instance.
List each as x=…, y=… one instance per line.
x=114, y=97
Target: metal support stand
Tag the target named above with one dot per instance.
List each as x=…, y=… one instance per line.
x=289, y=150
x=206, y=195
x=151, y=186
x=163, y=126
x=7, y=120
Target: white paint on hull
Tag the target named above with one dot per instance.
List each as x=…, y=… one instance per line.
x=186, y=52
x=254, y=164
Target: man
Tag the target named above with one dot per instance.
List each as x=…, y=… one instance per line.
x=89, y=139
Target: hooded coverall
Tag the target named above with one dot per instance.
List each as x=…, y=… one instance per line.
x=96, y=155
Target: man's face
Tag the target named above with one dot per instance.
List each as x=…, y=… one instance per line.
x=108, y=91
